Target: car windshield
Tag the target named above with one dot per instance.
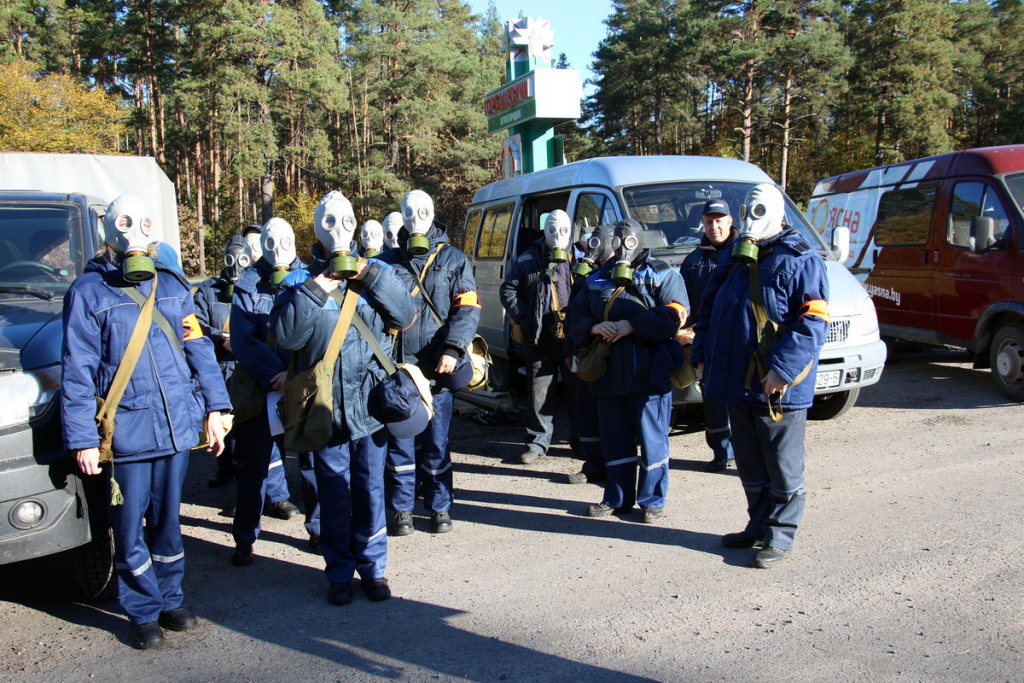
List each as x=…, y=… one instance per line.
x=672, y=212
x=1015, y=184
x=41, y=249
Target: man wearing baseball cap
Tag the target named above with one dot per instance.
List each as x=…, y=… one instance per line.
x=697, y=268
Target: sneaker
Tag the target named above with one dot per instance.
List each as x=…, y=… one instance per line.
x=242, y=557
x=742, y=540
x=577, y=478
x=314, y=544
x=441, y=522
x=377, y=590
x=771, y=556
x=603, y=510
x=178, y=620
x=147, y=636
x=339, y=593
x=530, y=457
x=401, y=525
x=284, y=509
x=652, y=515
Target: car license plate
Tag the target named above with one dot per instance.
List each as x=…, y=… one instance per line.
x=827, y=380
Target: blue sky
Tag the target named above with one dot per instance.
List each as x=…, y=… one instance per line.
x=578, y=24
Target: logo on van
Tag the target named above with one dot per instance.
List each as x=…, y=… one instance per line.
x=883, y=293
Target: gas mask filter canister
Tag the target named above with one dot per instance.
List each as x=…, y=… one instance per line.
x=128, y=230
x=418, y=217
x=334, y=223
x=557, y=235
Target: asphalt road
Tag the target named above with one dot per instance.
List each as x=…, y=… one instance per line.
x=906, y=569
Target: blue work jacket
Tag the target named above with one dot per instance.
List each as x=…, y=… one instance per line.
x=304, y=319
x=697, y=268
x=794, y=288
x=172, y=387
x=213, y=309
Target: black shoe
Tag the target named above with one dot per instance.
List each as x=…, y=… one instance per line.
x=441, y=522
x=220, y=479
x=742, y=540
x=652, y=515
x=339, y=593
x=530, y=457
x=178, y=620
x=771, y=556
x=147, y=636
x=242, y=557
x=603, y=510
x=377, y=590
x=314, y=544
x=720, y=465
x=401, y=525
x=284, y=509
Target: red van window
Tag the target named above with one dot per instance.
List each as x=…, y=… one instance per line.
x=905, y=216
x=972, y=199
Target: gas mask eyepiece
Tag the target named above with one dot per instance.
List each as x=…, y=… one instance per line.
x=418, y=217
x=128, y=230
x=761, y=215
x=628, y=243
x=371, y=236
x=334, y=223
x=278, y=243
x=557, y=235
x=392, y=224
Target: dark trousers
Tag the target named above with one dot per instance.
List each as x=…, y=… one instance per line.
x=626, y=420
x=310, y=494
x=259, y=455
x=543, y=367
x=353, y=533
x=588, y=428
x=425, y=457
x=717, y=432
x=770, y=462
x=150, y=559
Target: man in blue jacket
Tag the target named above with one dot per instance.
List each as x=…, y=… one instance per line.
x=350, y=467
x=697, y=268
x=158, y=419
x=447, y=314
x=794, y=294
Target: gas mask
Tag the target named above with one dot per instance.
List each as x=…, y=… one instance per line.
x=599, y=248
x=418, y=216
x=371, y=236
x=128, y=230
x=237, y=257
x=251, y=233
x=334, y=223
x=278, y=244
x=557, y=235
x=762, y=214
x=392, y=224
x=628, y=243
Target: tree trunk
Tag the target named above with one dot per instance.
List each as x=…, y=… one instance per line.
x=787, y=123
x=200, y=195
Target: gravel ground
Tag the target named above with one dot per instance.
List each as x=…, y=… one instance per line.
x=904, y=570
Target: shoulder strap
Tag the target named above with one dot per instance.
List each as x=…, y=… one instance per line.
x=756, y=302
x=348, y=309
x=158, y=317
x=611, y=300
x=378, y=350
x=419, y=289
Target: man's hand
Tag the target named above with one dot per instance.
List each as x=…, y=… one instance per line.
x=774, y=384
x=214, y=433
x=445, y=365
x=277, y=381
x=700, y=371
x=88, y=460
x=623, y=328
x=227, y=342
x=326, y=282
x=360, y=273
x=606, y=330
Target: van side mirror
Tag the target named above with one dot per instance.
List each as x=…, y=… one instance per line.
x=982, y=229
x=841, y=243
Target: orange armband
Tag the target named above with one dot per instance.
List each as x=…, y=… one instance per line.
x=192, y=328
x=817, y=308
x=467, y=299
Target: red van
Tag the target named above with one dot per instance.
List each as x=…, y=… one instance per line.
x=937, y=244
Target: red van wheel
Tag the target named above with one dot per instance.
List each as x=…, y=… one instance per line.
x=1008, y=361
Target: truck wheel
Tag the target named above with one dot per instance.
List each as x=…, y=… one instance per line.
x=501, y=374
x=1007, y=359
x=831, y=406
x=94, y=566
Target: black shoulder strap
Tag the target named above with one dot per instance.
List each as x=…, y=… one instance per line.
x=158, y=317
x=658, y=265
x=421, y=288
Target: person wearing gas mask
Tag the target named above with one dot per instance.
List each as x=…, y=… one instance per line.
x=447, y=314
x=213, y=308
x=252, y=233
x=259, y=451
x=350, y=467
x=637, y=304
x=598, y=252
x=371, y=238
x=536, y=295
x=393, y=225
x=719, y=234
x=760, y=374
x=158, y=383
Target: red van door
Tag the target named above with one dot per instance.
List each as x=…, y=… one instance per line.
x=966, y=283
x=901, y=280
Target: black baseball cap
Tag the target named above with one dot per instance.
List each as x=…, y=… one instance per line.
x=717, y=206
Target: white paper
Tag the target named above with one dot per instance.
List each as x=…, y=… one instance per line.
x=275, y=421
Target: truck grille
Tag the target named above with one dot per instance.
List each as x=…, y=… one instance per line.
x=838, y=332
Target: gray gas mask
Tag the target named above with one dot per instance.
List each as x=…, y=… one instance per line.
x=278, y=243
x=251, y=233
x=418, y=217
x=371, y=236
x=762, y=214
x=558, y=235
x=334, y=223
x=237, y=257
x=128, y=230
x=628, y=243
x=599, y=250
x=393, y=223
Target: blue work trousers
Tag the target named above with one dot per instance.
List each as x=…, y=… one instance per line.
x=543, y=367
x=626, y=420
x=425, y=457
x=150, y=559
x=770, y=462
x=717, y=432
x=353, y=531
x=589, y=431
x=261, y=475
x=310, y=495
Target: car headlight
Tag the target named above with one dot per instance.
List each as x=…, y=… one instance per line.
x=867, y=321
x=24, y=395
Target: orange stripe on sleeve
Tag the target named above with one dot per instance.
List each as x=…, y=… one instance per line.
x=817, y=308
x=467, y=299
x=679, y=309
x=192, y=328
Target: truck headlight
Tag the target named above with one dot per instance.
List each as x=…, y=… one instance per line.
x=867, y=321
x=25, y=395
x=27, y=514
